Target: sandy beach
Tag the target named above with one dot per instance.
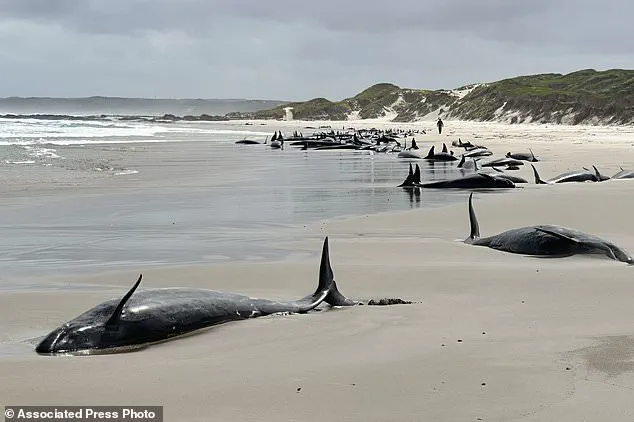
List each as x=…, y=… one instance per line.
x=490, y=336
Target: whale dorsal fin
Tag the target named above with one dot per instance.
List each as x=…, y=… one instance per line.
x=114, y=319
x=430, y=154
x=538, y=180
x=417, y=175
x=444, y=147
x=409, y=179
x=473, y=221
x=461, y=163
x=600, y=177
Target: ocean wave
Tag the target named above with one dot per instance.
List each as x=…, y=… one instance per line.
x=41, y=152
x=19, y=161
x=31, y=128
x=126, y=172
x=71, y=132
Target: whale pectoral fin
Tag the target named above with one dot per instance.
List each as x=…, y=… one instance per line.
x=608, y=251
x=497, y=169
x=557, y=234
x=487, y=176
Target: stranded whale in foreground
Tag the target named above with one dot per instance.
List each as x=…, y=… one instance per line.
x=544, y=240
x=155, y=315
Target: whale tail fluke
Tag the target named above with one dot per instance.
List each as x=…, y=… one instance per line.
x=409, y=180
x=327, y=281
x=417, y=175
x=538, y=180
x=473, y=222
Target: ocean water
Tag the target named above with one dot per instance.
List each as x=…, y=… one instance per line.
x=68, y=232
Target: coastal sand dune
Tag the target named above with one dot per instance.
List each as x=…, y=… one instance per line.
x=491, y=335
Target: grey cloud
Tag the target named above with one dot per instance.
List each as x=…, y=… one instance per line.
x=295, y=49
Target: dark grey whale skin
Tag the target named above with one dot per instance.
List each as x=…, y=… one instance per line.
x=156, y=315
x=624, y=174
x=582, y=175
x=472, y=181
x=545, y=240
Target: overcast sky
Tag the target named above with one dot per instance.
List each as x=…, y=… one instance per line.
x=298, y=49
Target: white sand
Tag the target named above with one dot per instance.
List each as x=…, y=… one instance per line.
x=495, y=336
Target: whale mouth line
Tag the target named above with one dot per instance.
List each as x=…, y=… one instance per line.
x=97, y=351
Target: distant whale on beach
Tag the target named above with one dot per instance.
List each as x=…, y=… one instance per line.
x=472, y=181
x=544, y=240
x=524, y=156
x=155, y=315
x=624, y=174
x=440, y=156
x=583, y=175
x=503, y=162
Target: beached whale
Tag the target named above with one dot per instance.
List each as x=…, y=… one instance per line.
x=583, y=175
x=500, y=162
x=412, y=179
x=478, y=152
x=544, y=240
x=624, y=174
x=472, y=181
x=523, y=156
x=514, y=179
x=440, y=156
x=248, y=142
x=410, y=154
x=149, y=316
x=463, y=164
x=461, y=144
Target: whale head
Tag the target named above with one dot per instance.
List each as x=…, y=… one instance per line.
x=72, y=338
x=94, y=331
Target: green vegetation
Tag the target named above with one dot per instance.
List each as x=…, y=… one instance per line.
x=582, y=96
x=586, y=95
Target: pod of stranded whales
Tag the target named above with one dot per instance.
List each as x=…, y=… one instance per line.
x=150, y=316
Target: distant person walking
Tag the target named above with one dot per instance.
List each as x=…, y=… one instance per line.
x=440, y=124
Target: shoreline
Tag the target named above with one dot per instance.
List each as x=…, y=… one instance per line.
x=493, y=335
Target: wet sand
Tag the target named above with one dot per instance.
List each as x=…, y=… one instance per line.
x=493, y=336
